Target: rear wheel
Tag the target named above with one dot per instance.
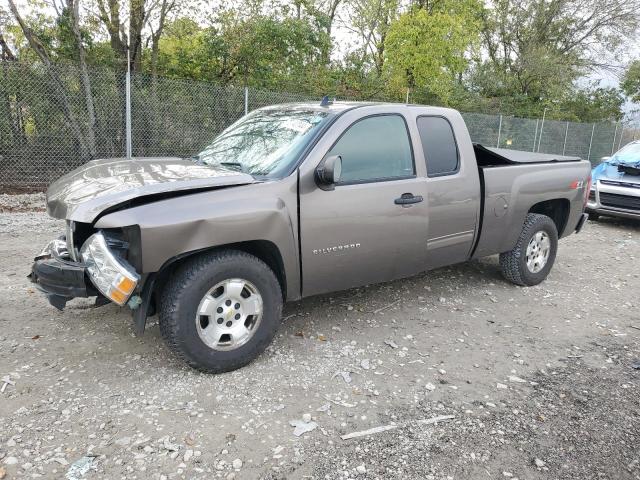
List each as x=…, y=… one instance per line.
x=221, y=310
x=532, y=258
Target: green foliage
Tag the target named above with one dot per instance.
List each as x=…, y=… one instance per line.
x=517, y=57
x=631, y=81
x=259, y=51
x=592, y=104
x=425, y=48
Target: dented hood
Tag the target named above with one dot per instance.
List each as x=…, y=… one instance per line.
x=89, y=190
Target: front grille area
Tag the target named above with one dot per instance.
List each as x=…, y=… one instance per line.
x=620, y=201
x=592, y=195
x=620, y=184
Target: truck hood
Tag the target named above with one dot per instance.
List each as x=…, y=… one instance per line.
x=89, y=190
x=607, y=171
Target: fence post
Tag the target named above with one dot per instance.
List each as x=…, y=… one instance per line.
x=613, y=146
x=129, y=146
x=544, y=114
x=246, y=100
x=620, y=141
x=499, y=132
x=591, y=142
x=535, y=135
x=566, y=132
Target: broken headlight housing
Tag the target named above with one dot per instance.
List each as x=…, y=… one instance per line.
x=112, y=276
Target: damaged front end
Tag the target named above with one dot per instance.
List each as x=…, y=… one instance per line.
x=58, y=276
x=98, y=268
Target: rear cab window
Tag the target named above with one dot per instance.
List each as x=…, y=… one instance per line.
x=439, y=146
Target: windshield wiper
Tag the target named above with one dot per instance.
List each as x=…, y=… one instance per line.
x=233, y=165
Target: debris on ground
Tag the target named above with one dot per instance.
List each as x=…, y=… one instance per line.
x=303, y=426
x=370, y=431
x=6, y=380
x=439, y=418
x=80, y=467
x=346, y=376
x=389, y=305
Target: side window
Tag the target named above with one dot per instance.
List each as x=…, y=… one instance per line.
x=439, y=146
x=375, y=148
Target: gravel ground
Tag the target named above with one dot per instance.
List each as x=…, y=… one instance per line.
x=528, y=383
x=22, y=203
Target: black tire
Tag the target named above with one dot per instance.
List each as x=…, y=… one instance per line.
x=186, y=288
x=594, y=217
x=514, y=264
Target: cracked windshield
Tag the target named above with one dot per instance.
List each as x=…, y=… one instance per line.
x=265, y=142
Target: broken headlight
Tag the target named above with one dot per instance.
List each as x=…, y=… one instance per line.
x=112, y=276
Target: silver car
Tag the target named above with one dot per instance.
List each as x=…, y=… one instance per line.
x=615, y=189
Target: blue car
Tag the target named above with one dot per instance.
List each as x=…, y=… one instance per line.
x=615, y=189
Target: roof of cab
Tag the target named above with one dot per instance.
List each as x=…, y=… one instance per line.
x=342, y=106
x=333, y=106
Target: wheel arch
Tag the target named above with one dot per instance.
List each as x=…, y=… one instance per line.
x=265, y=250
x=557, y=209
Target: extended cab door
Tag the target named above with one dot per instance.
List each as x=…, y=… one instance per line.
x=362, y=231
x=453, y=186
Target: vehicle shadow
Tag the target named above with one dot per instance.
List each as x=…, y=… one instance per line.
x=463, y=278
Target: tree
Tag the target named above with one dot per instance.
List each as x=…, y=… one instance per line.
x=631, y=81
x=537, y=49
x=259, y=51
x=371, y=20
x=85, y=135
x=425, y=48
x=592, y=104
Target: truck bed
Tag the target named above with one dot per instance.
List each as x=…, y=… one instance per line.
x=492, y=157
x=511, y=181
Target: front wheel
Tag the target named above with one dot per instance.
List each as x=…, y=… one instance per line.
x=220, y=310
x=531, y=259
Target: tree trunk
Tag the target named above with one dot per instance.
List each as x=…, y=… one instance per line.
x=137, y=16
x=110, y=17
x=84, y=78
x=13, y=115
x=58, y=85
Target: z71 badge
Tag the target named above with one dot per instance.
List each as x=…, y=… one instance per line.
x=338, y=248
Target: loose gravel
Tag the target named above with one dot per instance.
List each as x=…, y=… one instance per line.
x=526, y=383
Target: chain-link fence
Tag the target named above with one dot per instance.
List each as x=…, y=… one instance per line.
x=49, y=124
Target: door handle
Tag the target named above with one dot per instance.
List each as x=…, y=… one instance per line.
x=408, y=199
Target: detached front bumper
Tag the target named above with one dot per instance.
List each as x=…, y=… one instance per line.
x=58, y=277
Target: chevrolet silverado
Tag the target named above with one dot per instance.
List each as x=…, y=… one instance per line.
x=298, y=200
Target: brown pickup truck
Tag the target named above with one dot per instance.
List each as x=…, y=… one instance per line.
x=297, y=200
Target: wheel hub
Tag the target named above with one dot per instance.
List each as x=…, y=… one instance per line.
x=538, y=251
x=228, y=315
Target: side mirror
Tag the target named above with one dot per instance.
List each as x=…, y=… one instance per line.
x=604, y=159
x=328, y=172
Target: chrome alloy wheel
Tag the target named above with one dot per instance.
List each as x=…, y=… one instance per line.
x=538, y=251
x=229, y=314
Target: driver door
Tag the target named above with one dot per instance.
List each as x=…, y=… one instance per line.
x=372, y=227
